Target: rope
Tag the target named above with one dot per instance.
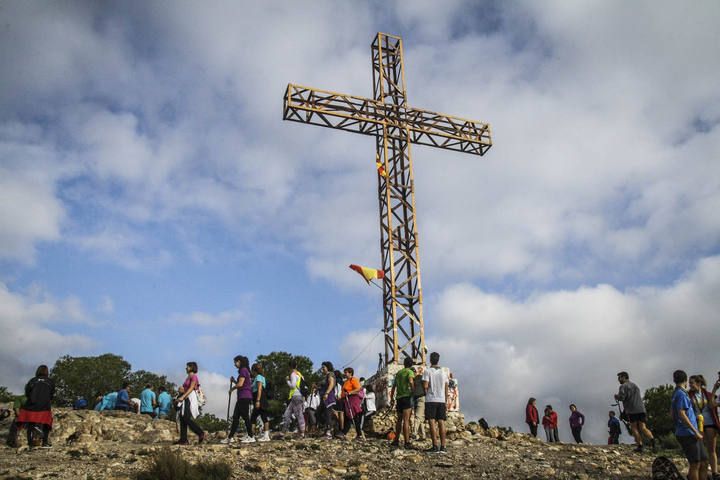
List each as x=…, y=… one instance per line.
x=365, y=348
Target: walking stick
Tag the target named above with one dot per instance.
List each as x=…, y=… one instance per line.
x=227, y=418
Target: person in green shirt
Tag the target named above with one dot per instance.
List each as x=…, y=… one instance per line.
x=401, y=392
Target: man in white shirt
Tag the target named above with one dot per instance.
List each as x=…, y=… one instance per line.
x=435, y=380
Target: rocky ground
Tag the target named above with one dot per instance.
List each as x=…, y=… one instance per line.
x=88, y=445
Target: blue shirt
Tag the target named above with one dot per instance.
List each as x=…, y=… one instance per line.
x=681, y=401
x=258, y=378
x=123, y=399
x=107, y=402
x=164, y=401
x=147, y=397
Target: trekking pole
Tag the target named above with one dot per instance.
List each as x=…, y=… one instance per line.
x=227, y=418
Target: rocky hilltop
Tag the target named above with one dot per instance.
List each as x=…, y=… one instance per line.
x=116, y=445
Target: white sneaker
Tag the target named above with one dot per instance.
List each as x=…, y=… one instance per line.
x=264, y=438
x=227, y=441
x=248, y=440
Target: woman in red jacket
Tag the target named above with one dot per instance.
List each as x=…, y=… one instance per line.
x=531, y=416
x=550, y=424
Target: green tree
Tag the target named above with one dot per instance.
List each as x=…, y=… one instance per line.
x=657, y=406
x=77, y=377
x=140, y=378
x=211, y=423
x=6, y=395
x=276, y=368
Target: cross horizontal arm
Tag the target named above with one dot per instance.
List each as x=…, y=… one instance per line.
x=368, y=116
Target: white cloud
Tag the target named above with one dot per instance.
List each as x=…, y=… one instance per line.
x=565, y=347
x=30, y=333
x=206, y=319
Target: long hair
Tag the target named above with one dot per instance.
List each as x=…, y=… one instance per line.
x=257, y=368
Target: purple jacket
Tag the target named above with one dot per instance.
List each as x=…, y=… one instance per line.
x=577, y=419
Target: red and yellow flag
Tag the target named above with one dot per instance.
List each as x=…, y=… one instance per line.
x=380, y=167
x=368, y=273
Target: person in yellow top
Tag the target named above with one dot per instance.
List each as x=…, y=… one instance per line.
x=296, y=406
x=401, y=392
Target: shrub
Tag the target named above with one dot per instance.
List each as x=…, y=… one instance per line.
x=169, y=465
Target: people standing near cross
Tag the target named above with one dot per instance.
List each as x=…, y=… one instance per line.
x=436, y=382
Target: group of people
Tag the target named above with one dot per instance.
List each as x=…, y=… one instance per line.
x=341, y=401
x=550, y=421
x=149, y=403
x=694, y=411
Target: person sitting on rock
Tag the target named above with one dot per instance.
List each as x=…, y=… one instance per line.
x=164, y=403
x=105, y=402
x=550, y=424
x=36, y=412
x=577, y=420
x=613, y=428
x=401, y=392
x=148, y=401
x=531, y=416
x=123, y=398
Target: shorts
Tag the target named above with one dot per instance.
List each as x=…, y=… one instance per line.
x=404, y=403
x=714, y=427
x=693, y=448
x=435, y=411
x=636, y=417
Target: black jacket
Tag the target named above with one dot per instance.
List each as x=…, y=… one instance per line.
x=39, y=392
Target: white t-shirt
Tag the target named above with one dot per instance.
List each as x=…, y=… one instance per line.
x=370, y=402
x=436, y=377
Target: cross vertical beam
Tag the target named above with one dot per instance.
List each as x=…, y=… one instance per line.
x=399, y=246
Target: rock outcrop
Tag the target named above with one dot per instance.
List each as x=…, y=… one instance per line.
x=88, y=445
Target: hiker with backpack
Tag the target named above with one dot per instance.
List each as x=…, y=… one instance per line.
x=35, y=415
x=297, y=403
x=687, y=431
x=418, y=426
x=577, y=420
x=188, y=405
x=261, y=392
x=243, y=388
x=613, y=428
x=351, y=397
x=401, y=392
x=327, y=396
x=634, y=408
x=437, y=384
x=550, y=425
x=532, y=418
x=705, y=408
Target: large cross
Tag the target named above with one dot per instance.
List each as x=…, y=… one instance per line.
x=395, y=125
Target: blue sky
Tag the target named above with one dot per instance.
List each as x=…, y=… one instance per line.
x=154, y=204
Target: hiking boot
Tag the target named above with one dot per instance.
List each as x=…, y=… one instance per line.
x=46, y=445
x=409, y=446
x=248, y=439
x=227, y=441
x=328, y=435
x=442, y=449
x=265, y=437
x=201, y=438
x=433, y=449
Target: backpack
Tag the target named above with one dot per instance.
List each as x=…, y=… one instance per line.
x=202, y=400
x=304, y=387
x=664, y=469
